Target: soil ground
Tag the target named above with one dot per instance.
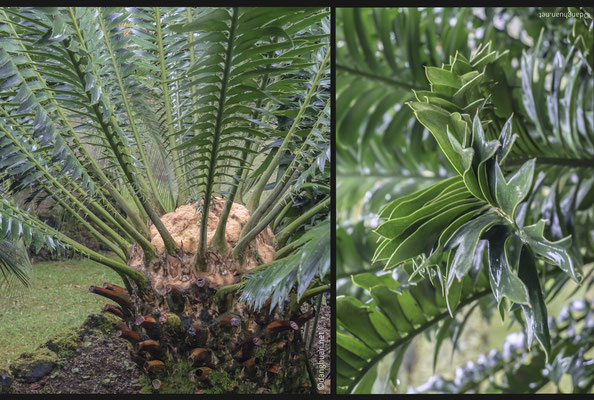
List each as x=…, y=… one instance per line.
x=101, y=364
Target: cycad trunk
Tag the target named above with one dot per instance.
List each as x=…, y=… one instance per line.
x=185, y=317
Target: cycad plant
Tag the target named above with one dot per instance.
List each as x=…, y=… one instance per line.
x=478, y=140
x=150, y=127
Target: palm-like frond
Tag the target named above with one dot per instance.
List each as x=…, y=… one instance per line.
x=275, y=280
x=119, y=114
x=14, y=264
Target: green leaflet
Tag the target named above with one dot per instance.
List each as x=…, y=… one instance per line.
x=436, y=256
x=453, y=289
x=470, y=90
x=435, y=119
x=556, y=252
x=504, y=257
x=394, y=227
x=442, y=333
x=366, y=384
x=349, y=357
x=399, y=357
x=408, y=246
x=406, y=204
x=510, y=193
x=408, y=308
x=369, y=280
x=466, y=240
x=354, y=316
x=354, y=346
x=536, y=313
x=382, y=324
x=507, y=140
x=484, y=150
x=443, y=81
x=386, y=299
x=349, y=129
x=432, y=98
x=466, y=158
x=212, y=21
x=423, y=295
x=411, y=308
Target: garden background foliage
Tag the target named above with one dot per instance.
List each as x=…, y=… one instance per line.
x=465, y=150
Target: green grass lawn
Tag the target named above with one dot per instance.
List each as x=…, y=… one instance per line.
x=58, y=298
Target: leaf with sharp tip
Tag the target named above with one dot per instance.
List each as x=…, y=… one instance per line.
x=466, y=158
x=437, y=254
x=435, y=120
x=469, y=90
x=466, y=239
x=536, y=313
x=484, y=151
x=557, y=252
x=443, y=81
x=509, y=194
x=423, y=238
x=507, y=140
x=504, y=256
x=394, y=227
x=409, y=203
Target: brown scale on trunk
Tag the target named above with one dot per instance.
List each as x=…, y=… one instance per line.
x=229, y=322
x=178, y=319
x=175, y=297
x=146, y=321
x=202, y=373
x=303, y=318
x=137, y=358
x=154, y=367
x=264, y=316
x=123, y=299
x=247, y=347
x=281, y=346
x=200, y=356
x=115, y=288
x=150, y=346
x=131, y=336
x=115, y=310
x=197, y=335
x=273, y=370
x=278, y=326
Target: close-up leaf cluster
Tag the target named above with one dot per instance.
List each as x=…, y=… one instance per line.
x=474, y=131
